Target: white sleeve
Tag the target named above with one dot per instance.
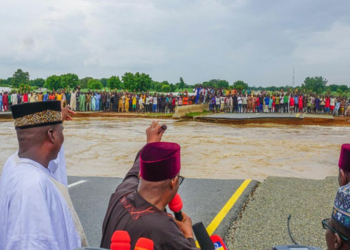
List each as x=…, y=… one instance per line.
x=58, y=167
x=29, y=224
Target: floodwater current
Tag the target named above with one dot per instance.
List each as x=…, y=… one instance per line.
x=107, y=147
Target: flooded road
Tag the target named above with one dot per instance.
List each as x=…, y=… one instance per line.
x=107, y=147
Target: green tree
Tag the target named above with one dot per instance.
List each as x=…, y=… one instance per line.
x=53, y=82
x=104, y=82
x=3, y=83
x=129, y=81
x=9, y=81
x=223, y=84
x=172, y=87
x=158, y=87
x=39, y=82
x=165, y=83
x=240, y=85
x=207, y=84
x=71, y=80
x=344, y=88
x=83, y=83
x=26, y=87
x=19, y=77
x=333, y=87
x=315, y=84
x=166, y=88
x=142, y=81
x=94, y=84
x=272, y=88
x=181, y=83
x=114, y=82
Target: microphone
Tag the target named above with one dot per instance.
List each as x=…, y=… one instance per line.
x=120, y=240
x=144, y=244
x=176, y=205
x=219, y=244
x=162, y=129
x=202, y=237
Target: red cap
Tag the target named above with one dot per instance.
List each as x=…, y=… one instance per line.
x=175, y=204
x=160, y=161
x=344, y=158
x=144, y=244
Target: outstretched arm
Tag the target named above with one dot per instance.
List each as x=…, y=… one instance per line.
x=154, y=134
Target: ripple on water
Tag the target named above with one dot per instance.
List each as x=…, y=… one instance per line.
x=107, y=147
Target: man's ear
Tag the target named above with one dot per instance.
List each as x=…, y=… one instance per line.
x=344, y=177
x=337, y=241
x=50, y=135
x=173, y=182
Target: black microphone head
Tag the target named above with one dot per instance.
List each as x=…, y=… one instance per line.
x=202, y=236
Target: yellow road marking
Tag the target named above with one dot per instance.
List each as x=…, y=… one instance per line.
x=297, y=115
x=228, y=206
x=223, y=212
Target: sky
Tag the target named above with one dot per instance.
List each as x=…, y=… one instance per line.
x=259, y=42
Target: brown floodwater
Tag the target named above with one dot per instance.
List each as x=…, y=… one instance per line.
x=107, y=147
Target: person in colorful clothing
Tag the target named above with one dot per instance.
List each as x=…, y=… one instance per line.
x=338, y=225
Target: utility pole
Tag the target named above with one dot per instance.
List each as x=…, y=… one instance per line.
x=293, y=82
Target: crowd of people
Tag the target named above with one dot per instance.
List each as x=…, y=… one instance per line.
x=219, y=100
x=280, y=103
x=36, y=211
x=97, y=100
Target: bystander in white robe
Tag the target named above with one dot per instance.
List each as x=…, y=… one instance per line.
x=14, y=98
x=73, y=100
x=33, y=212
x=58, y=167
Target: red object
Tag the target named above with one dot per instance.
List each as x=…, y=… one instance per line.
x=344, y=158
x=219, y=244
x=144, y=244
x=160, y=161
x=291, y=101
x=176, y=204
x=120, y=240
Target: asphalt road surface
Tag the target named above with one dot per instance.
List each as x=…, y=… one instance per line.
x=203, y=199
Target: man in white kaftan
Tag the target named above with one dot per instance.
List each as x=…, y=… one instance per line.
x=35, y=212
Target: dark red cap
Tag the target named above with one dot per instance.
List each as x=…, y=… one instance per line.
x=344, y=158
x=160, y=161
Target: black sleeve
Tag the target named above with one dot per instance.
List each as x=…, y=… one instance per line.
x=192, y=242
x=167, y=236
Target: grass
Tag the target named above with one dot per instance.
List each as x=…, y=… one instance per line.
x=189, y=90
x=158, y=115
x=193, y=114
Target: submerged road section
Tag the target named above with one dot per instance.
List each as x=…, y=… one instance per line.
x=216, y=203
x=279, y=118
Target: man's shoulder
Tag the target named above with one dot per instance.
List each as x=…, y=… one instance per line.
x=24, y=172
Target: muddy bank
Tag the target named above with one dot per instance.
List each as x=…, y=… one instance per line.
x=319, y=120
x=337, y=121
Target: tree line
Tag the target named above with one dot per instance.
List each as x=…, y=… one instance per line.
x=143, y=82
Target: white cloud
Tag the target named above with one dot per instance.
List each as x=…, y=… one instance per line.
x=256, y=41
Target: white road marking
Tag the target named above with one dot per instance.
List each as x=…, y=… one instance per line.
x=76, y=183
